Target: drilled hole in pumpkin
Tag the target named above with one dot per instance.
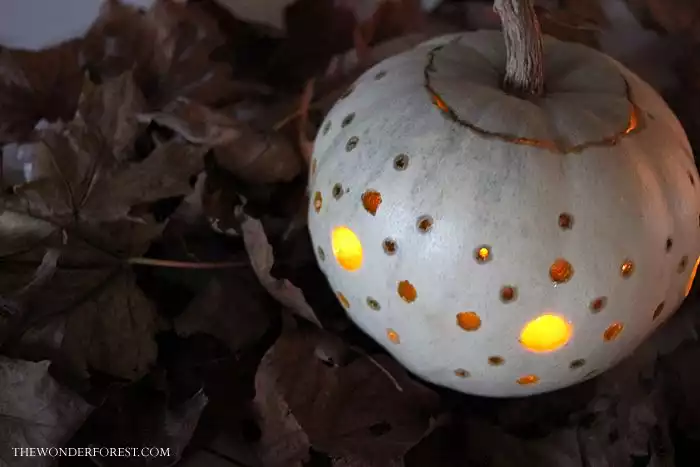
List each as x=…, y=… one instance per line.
x=508, y=294
x=682, y=264
x=627, y=268
x=691, y=279
x=401, y=162
x=598, y=304
x=393, y=336
x=576, y=364
x=468, y=320
x=669, y=244
x=424, y=223
x=373, y=304
x=380, y=75
x=347, y=120
x=613, y=331
x=326, y=128
x=337, y=191
x=347, y=92
x=659, y=309
x=343, y=301
x=482, y=254
x=318, y=201
x=347, y=248
x=545, y=333
x=321, y=254
x=407, y=291
x=566, y=221
x=561, y=271
x=352, y=143
x=371, y=200
x=528, y=379
x=462, y=373
x=439, y=103
x=495, y=360
x=389, y=245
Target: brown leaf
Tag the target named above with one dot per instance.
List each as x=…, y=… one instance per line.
x=35, y=85
x=677, y=16
x=262, y=259
x=569, y=26
x=355, y=410
x=253, y=156
x=111, y=110
x=169, y=47
x=233, y=308
x=113, y=329
x=35, y=412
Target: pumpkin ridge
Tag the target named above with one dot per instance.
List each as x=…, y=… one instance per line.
x=635, y=122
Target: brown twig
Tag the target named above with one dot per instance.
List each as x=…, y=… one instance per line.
x=167, y=263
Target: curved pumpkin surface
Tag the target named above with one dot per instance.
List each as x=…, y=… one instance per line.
x=509, y=210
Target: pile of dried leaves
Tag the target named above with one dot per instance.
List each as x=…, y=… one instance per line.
x=157, y=285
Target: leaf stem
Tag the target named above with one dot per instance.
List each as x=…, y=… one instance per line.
x=523, y=37
x=166, y=263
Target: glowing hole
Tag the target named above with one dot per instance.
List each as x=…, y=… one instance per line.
x=528, y=379
x=343, y=301
x=337, y=191
x=371, y=200
x=566, y=222
x=352, y=143
x=401, y=162
x=561, y=271
x=321, y=254
x=393, y=336
x=373, y=304
x=683, y=264
x=462, y=373
x=407, y=291
x=440, y=104
x=424, y=223
x=627, y=268
x=689, y=285
x=326, y=128
x=669, y=244
x=496, y=360
x=657, y=312
x=508, y=294
x=347, y=248
x=380, y=75
x=576, y=364
x=347, y=120
x=545, y=333
x=469, y=321
x=613, y=331
x=389, y=246
x=318, y=201
x=598, y=304
x=482, y=254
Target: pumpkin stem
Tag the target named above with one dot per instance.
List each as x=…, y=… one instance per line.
x=523, y=36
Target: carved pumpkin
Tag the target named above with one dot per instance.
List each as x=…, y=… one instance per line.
x=503, y=245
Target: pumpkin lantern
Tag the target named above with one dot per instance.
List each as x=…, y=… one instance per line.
x=506, y=217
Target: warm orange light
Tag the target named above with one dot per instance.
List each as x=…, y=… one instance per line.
x=528, y=379
x=689, y=285
x=347, y=248
x=545, y=333
x=633, y=121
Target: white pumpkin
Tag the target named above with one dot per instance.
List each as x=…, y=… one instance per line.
x=503, y=246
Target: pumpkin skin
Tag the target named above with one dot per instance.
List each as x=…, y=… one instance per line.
x=598, y=173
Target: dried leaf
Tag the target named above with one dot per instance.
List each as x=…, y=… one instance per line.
x=677, y=16
x=355, y=410
x=35, y=85
x=111, y=110
x=262, y=259
x=251, y=155
x=569, y=26
x=169, y=47
x=113, y=330
x=233, y=308
x=35, y=412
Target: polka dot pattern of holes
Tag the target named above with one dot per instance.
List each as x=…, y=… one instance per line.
x=560, y=271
